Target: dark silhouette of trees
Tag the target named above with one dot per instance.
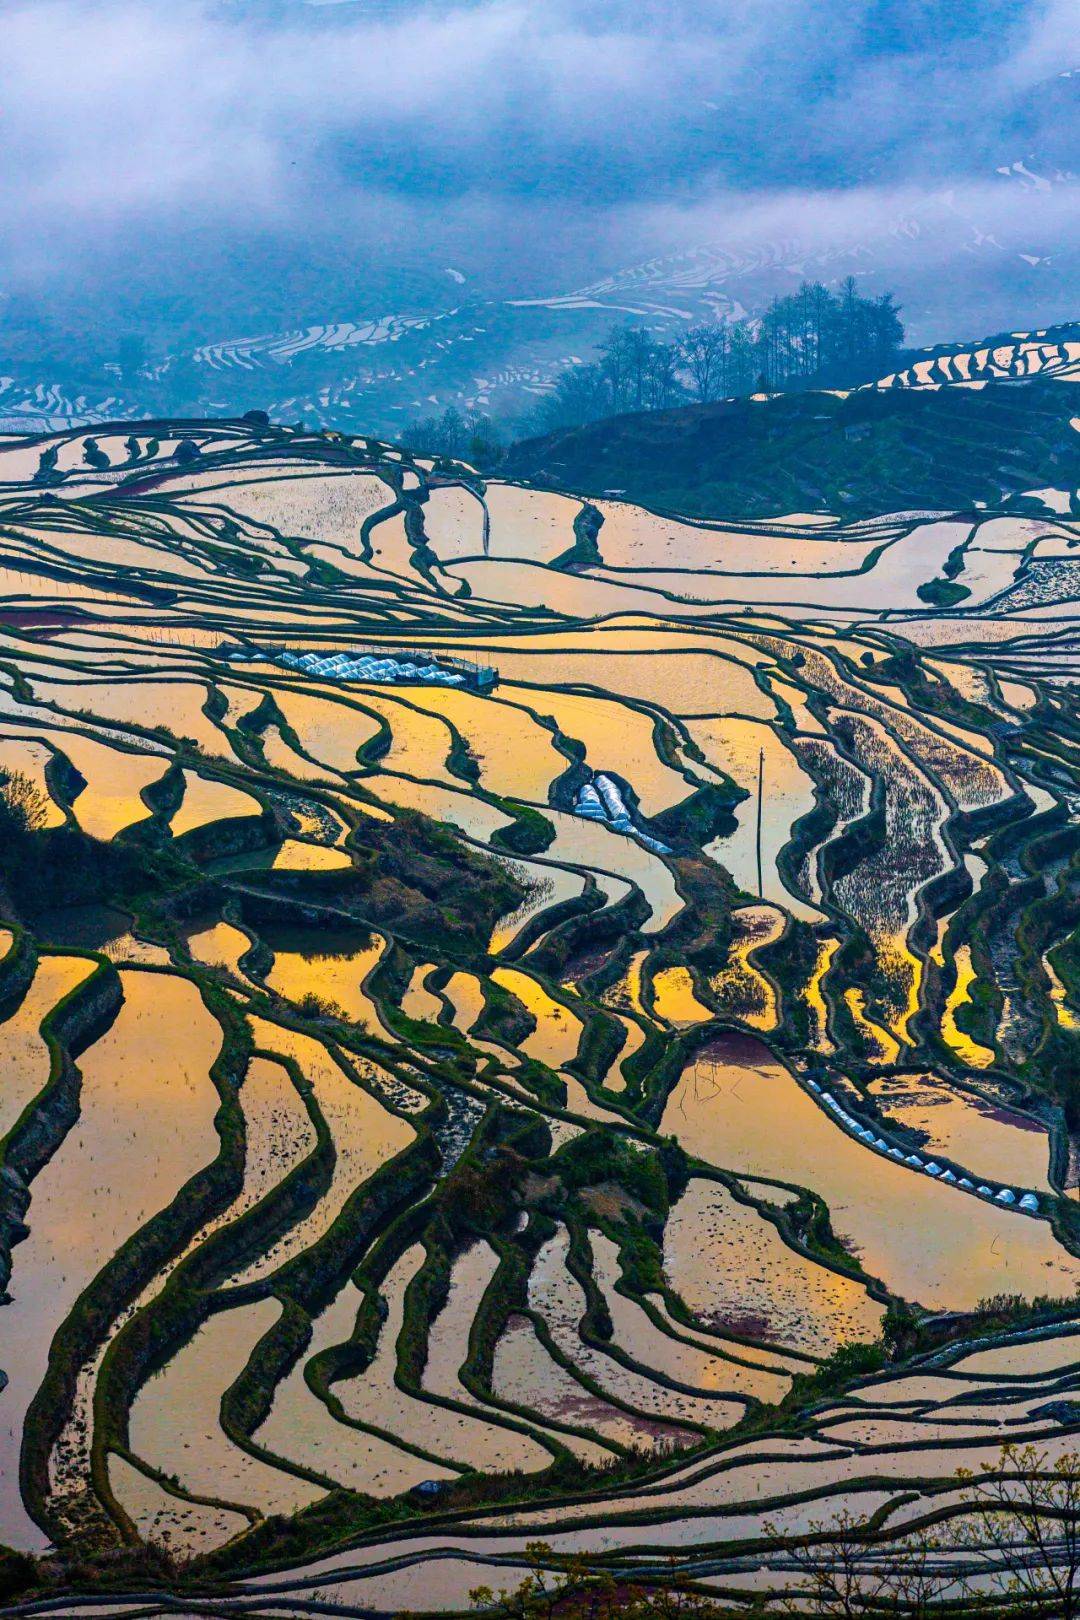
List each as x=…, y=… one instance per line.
x=471, y=437
x=47, y=464
x=94, y=455
x=636, y=373
x=814, y=336
x=811, y=338
x=22, y=808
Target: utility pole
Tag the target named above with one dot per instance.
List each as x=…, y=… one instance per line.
x=760, y=794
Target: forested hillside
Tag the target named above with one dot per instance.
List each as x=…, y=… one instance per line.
x=871, y=450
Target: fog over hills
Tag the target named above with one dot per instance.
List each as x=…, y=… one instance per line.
x=357, y=213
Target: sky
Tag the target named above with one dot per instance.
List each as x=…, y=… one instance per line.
x=255, y=161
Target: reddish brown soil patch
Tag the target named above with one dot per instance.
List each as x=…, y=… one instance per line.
x=588, y=962
x=1006, y=1116
x=732, y=1047
x=749, y=1324
x=41, y=618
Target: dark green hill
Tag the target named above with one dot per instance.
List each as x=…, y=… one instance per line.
x=871, y=451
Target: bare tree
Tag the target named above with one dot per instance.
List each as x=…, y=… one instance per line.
x=625, y=357
x=743, y=358
x=845, y=1569
x=914, y=1577
x=702, y=352
x=1022, y=1523
x=830, y=1562
x=575, y=1588
x=662, y=386
x=547, y=1583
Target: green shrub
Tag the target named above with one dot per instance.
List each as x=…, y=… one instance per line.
x=530, y=833
x=942, y=592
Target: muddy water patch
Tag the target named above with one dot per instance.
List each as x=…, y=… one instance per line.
x=175, y=1422
x=734, y=1272
x=323, y=966
x=988, y=1138
x=26, y=1060
x=145, y=1126
x=737, y=1108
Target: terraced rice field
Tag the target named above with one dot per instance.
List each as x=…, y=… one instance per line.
x=647, y=1106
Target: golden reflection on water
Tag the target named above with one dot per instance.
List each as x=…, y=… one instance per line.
x=175, y=704
x=904, y=972
x=743, y=990
x=815, y=998
x=206, y=800
x=365, y=1135
x=145, y=1125
x=555, y=1039
x=418, y=1001
x=331, y=969
x=295, y=856
x=987, y=1137
x=1066, y=1017
x=516, y=755
x=970, y=1051
x=26, y=1058
x=30, y=759
x=674, y=999
x=626, y=992
x=546, y=885
x=882, y=1045
x=615, y=1079
x=738, y=1109
x=465, y=994
x=735, y=745
x=614, y=736
x=221, y=945
x=114, y=780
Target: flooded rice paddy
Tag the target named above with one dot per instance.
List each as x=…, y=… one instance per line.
x=617, y=1039
x=739, y=1110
